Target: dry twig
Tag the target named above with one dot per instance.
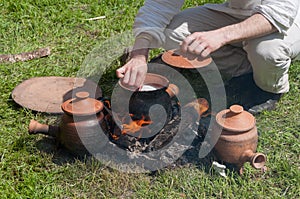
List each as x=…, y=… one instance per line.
x=42, y=52
x=96, y=18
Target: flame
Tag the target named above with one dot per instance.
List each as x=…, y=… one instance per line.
x=200, y=105
x=115, y=137
x=135, y=125
x=108, y=104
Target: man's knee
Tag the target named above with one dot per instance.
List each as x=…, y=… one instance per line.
x=275, y=52
x=270, y=60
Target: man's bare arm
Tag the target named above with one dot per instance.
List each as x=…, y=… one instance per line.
x=255, y=26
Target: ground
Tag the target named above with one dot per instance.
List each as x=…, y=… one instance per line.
x=33, y=167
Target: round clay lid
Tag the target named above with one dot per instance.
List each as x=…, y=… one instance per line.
x=46, y=94
x=82, y=105
x=176, y=59
x=235, y=119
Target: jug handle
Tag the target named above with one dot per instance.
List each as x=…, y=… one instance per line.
x=172, y=90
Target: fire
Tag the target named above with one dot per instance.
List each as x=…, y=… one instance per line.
x=135, y=125
x=115, y=137
x=200, y=105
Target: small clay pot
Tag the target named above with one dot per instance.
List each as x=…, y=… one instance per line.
x=238, y=140
x=80, y=124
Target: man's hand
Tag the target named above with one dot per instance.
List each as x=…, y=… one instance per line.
x=133, y=72
x=203, y=43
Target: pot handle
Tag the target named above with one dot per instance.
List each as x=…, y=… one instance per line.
x=172, y=90
x=37, y=128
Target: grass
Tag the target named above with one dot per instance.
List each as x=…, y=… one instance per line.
x=32, y=167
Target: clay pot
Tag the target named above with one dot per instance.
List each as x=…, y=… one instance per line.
x=155, y=91
x=238, y=140
x=80, y=123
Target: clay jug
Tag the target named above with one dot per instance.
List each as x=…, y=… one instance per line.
x=237, y=143
x=80, y=125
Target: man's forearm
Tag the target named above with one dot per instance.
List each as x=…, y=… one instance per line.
x=140, y=48
x=254, y=26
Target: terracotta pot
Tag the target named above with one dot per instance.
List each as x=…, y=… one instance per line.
x=80, y=123
x=156, y=90
x=238, y=140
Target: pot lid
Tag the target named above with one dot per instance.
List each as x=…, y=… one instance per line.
x=82, y=105
x=176, y=59
x=235, y=119
x=46, y=94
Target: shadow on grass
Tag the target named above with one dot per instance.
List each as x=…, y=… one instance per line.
x=60, y=155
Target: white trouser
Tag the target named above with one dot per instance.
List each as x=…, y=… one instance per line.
x=268, y=57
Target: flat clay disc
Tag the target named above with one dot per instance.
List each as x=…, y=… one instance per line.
x=173, y=58
x=46, y=94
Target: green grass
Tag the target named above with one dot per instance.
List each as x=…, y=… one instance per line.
x=32, y=166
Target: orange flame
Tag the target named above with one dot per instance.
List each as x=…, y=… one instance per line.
x=115, y=137
x=200, y=105
x=135, y=125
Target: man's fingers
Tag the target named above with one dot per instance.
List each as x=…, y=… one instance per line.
x=186, y=42
x=200, y=48
x=139, y=80
x=126, y=77
x=205, y=52
x=196, y=47
x=120, y=72
x=133, y=73
x=192, y=46
x=132, y=80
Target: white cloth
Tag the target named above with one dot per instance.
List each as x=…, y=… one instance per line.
x=155, y=15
